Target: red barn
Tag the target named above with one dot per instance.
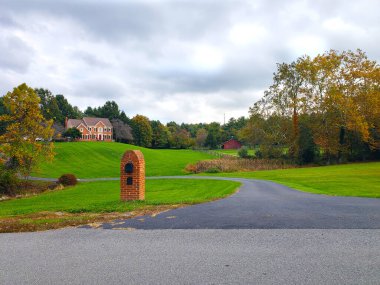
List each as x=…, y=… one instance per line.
x=231, y=144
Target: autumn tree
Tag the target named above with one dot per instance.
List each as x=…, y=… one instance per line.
x=26, y=139
x=337, y=95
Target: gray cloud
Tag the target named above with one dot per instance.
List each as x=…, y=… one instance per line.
x=173, y=60
x=16, y=55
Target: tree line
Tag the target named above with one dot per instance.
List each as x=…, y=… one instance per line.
x=139, y=130
x=321, y=109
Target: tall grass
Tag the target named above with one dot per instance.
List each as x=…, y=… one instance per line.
x=233, y=164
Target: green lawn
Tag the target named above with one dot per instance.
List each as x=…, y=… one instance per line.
x=104, y=197
x=358, y=179
x=97, y=159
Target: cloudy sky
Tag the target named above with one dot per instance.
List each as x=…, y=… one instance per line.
x=187, y=61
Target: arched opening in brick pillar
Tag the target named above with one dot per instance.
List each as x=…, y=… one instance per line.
x=132, y=176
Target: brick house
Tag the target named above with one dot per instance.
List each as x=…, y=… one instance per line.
x=92, y=129
x=231, y=144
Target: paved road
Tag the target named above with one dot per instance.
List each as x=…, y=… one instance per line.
x=80, y=256
x=265, y=205
x=264, y=234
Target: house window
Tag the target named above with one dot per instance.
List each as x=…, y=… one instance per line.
x=81, y=130
x=89, y=129
x=95, y=129
x=100, y=130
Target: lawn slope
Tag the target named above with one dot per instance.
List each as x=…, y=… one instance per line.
x=357, y=179
x=101, y=159
x=100, y=197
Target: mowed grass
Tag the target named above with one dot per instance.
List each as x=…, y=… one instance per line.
x=101, y=159
x=101, y=197
x=358, y=179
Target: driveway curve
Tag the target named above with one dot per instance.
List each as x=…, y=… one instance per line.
x=264, y=205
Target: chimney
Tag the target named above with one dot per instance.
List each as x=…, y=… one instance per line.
x=66, y=119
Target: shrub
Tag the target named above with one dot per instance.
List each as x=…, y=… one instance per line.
x=258, y=154
x=68, y=179
x=212, y=170
x=191, y=168
x=243, y=152
x=8, y=181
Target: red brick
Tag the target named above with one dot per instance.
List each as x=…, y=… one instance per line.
x=136, y=191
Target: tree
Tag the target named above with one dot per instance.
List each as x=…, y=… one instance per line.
x=122, y=132
x=254, y=132
x=214, y=135
x=308, y=150
x=3, y=111
x=201, y=137
x=73, y=133
x=336, y=93
x=58, y=130
x=181, y=139
x=160, y=135
x=233, y=126
x=142, y=131
x=49, y=105
x=110, y=110
x=26, y=139
x=285, y=96
x=66, y=109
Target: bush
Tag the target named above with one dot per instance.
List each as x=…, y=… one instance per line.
x=8, y=181
x=243, y=152
x=213, y=170
x=68, y=179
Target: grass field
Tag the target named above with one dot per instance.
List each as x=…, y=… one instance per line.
x=96, y=159
x=358, y=179
x=105, y=197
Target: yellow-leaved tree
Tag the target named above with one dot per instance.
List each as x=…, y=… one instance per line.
x=26, y=140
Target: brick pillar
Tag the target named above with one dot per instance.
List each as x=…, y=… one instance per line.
x=132, y=176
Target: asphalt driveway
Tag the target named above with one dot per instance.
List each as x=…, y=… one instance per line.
x=265, y=205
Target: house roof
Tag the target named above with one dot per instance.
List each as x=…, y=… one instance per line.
x=93, y=121
x=231, y=139
x=87, y=122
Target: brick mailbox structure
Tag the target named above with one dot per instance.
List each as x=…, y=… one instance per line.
x=132, y=176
